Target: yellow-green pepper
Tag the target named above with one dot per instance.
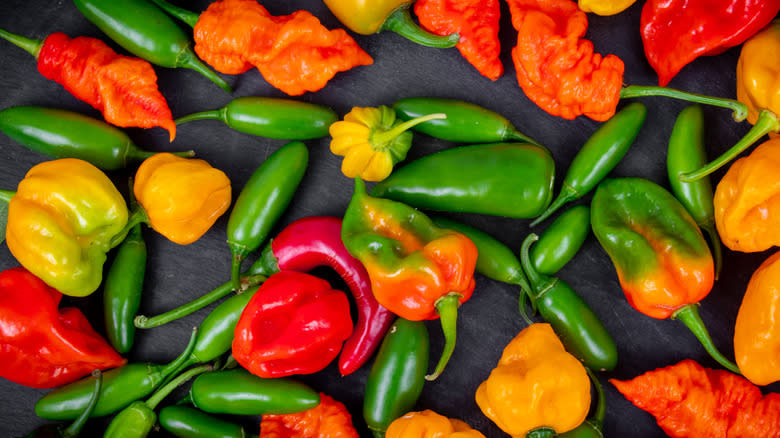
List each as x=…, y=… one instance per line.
x=61, y=221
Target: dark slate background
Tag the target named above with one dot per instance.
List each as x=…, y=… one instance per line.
x=401, y=69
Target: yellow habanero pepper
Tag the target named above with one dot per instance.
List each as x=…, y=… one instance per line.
x=605, y=7
x=429, y=424
x=61, y=221
x=536, y=385
x=372, y=141
x=758, y=73
x=757, y=332
x=182, y=197
x=747, y=206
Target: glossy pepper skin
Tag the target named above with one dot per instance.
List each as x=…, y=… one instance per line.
x=182, y=197
x=605, y=7
x=418, y=271
x=188, y=422
x=294, y=324
x=45, y=346
x=328, y=419
x=758, y=75
x=689, y=400
x=61, y=222
x=556, y=68
x=518, y=179
x=74, y=430
x=676, y=32
x=745, y=199
x=122, y=290
x=535, y=385
x=124, y=89
x=429, y=424
x=476, y=21
x=756, y=342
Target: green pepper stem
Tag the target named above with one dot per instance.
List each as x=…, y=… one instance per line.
x=183, y=357
x=717, y=252
x=739, y=108
x=447, y=308
x=137, y=216
x=163, y=392
x=401, y=22
x=203, y=115
x=189, y=17
x=542, y=432
x=767, y=122
x=689, y=315
x=382, y=138
x=31, y=46
x=522, y=307
x=567, y=195
x=74, y=429
x=235, y=271
x=189, y=60
x=516, y=135
x=600, y=413
x=6, y=195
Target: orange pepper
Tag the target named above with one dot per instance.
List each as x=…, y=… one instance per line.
x=429, y=424
x=182, y=197
x=330, y=419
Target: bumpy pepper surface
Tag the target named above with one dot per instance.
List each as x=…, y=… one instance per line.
x=537, y=384
x=757, y=331
x=429, y=424
x=44, y=346
x=330, y=419
x=61, y=222
x=688, y=400
x=758, y=73
x=182, y=197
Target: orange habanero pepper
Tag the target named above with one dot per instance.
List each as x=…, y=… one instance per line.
x=429, y=424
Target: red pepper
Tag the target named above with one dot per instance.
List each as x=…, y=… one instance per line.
x=294, y=324
x=40, y=345
x=675, y=32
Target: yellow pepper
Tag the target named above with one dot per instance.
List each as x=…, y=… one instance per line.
x=372, y=141
x=182, y=197
x=758, y=72
x=757, y=332
x=429, y=424
x=747, y=205
x=536, y=385
x=61, y=221
x=605, y=7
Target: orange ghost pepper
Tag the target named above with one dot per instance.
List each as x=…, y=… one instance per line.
x=429, y=424
x=537, y=385
x=181, y=197
x=329, y=419
x=757, y=332
x=688, y=400
x=476, y=21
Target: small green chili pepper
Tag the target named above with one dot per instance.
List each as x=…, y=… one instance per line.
x=121, y=386
x=146, y=31
x=283, y=119
x=465, y=122
x=561, y=240
x=122, y=290
x=598, y=156
x=72, y=431
x=238, y=392
x=503, y=179
x=397, y=376
x=262, y=201
x=686, y=153
x=187, y=422
x=65, y=134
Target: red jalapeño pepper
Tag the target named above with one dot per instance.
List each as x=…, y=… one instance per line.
x=44, y=346
x=294, y=324
x=418, y=271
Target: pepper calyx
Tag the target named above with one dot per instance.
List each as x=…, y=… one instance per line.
x=541, y=432
x=689, y=315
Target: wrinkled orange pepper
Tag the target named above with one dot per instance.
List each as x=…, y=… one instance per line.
x=429, y=424
x=182, y=197
x=330, y=419
x=758, y=73
x=295, y=53
x=757, y=332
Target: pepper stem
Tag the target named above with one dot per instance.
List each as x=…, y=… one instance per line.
x=689, y=315
x=401, y=22
x=447, y=308
x=163, y=392
x=600, y=413
x=189, y=17
x=31, y=46
x=542, y=432
x=567, y=194
x=6, y=195
x=137, y=216
x=74, y=429
x=767, y=122
x=189, y=60
x=183, y=357
x=203, y=115
x=739, y=108
x=383, y=138
x=717, y=253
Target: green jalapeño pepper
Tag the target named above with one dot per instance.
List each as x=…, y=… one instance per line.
x=282, y=119
x=65, y=134
x=187, y=422
x=662, y=260
x=504, y=179
x=146, y=31
x=72, y=431
x=122, y=290
x=561, y=240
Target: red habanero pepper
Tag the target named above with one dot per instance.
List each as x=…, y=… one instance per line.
x=688, y=400
x=294, y=324
x=123, y=88
x=329, y=419
x=42, y=346
x=675, y=32
x=476, y=21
